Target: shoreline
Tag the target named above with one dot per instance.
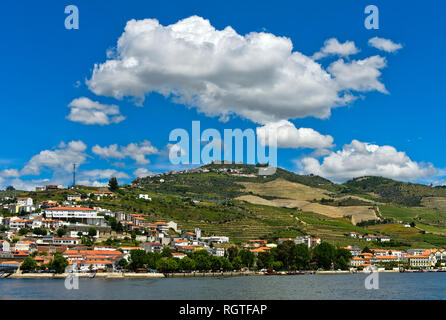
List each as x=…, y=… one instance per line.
x=131, y=275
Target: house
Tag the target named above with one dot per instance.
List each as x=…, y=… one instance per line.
x=25, y=245
x=189, y=235
x=26, y=201
x=370, y=237
x=74, y=197
x=421, y=261
x=162, y=227
x=152, y=247
x=85, y=215
x=178, y=255
x=258, y=243
x=4, y=246
x=66, y=241
x=218, y=252
x=144, y=196
x=256, y=251
x=9, y=266
x=383, y=258
x=126, y=250
x=354, y=250
x=215, y=239
x=95, y=265
x=354, y=235
x=52, y=187
x=178, y=243
x=100, y=194
x=357, y=261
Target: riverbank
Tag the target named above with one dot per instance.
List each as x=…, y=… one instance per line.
x=128, y=275
x=154, y=275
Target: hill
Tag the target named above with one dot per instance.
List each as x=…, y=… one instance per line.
x=389, y=190
x=233, y=200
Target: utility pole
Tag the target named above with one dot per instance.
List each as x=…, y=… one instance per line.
x=74, y=174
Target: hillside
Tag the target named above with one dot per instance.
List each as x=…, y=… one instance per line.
x=389, y=190
x=233, y=200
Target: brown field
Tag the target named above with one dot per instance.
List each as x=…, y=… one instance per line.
x=295, y=195
x=434, y=202
x=282, y=188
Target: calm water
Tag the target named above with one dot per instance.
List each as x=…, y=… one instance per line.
x=347, y=286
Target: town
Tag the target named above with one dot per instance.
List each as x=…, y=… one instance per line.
x=66, y=236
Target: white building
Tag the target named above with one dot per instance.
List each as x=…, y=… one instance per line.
x=85, y=215
x=144, y=196
x=25, y=201
x=4, y=246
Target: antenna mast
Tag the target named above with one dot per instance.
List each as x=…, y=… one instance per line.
x=74, y=174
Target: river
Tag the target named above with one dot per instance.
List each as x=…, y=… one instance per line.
x=317, y=287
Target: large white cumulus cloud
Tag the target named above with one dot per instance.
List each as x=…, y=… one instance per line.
x=364, y=159
x=257, y=76
x=288, y=136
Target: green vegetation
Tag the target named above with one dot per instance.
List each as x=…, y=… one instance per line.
x=29, y=264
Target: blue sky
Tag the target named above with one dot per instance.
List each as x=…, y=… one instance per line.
x=396, y=131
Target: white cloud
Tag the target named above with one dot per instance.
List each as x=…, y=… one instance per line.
x=257, y=76
x=88, y=112
x=60, y=159
x=9, y=173
x=288, y=136
x=359, y=159
x=104, y=174
x=135, y=151
x=359, y=75
x=334, y=47
x=142, y=172
x=94, y=183
x=384, y=44
x=27, y=185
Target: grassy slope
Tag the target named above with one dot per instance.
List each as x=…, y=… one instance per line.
x=241, y=221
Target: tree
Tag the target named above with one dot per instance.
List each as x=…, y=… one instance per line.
x=237, y=263
x=232, y=252
x=247, y=258
x=226, y=264
x=61, y=232
x=187, y=264
x=92, y=232
x=138, y=259
x=23, y=231
x=265, y=260
x=286, y=253
x=366, y=250
x=216, y=263
x=342, y=258
x=166, y=252
x=167, y=265
x=303, y=257
x=58, y=263
x=113, y=184
x=123, y=264
x=29, y=264
x=324, y=255
x=202, y=260
x=40, y=231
